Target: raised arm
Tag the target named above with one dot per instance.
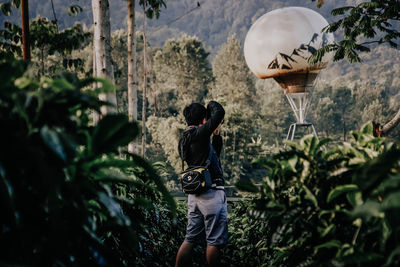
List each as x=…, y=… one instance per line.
x=217, y=144
x=216, y=115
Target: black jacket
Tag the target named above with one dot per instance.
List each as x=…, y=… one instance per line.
x=196, y=140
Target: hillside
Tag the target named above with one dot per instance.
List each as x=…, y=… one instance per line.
x=213, y=22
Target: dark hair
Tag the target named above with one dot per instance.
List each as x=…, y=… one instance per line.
x=194, y=113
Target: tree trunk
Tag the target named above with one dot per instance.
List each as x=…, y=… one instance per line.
x=102, y=50
x=392, y=123
x=26, y=46
x=96, y=116
x=144, y=84
x=132, y=82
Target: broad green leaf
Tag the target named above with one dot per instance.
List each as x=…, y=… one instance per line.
x=330, y=212
x=292, y=163
x=327, y=230
x=394, y=253
x=293, y=145
x=61, y=84
x=24, y=82
x=339, y=190
x=52, y=140
x=355, y=198
x=270, y=183
x=367, y=210
x=246, y=185
x=7, y=198
x=322, y=142
x=367, y=129
x=112, y=174
x=101, y=163
x=111, y=132
x=310, y=196
x=313, y=145
x=392, y=201
x=265, y=162
x=330, y=244
x=306, y=171
x=114, y=209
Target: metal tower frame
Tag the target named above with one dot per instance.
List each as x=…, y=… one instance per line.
x=299, y=103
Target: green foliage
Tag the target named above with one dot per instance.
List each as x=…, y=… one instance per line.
x=152, y=7
x=182, y=72
x=11, y=39
x=274, y=111
x=363, y=24
x=74, y=10
x=163, y=236
x=245, y=248
x=233, y=81
x=66, y=197
x=7, y=6
x=329, y=207
x=166, y=132
x=46, y=41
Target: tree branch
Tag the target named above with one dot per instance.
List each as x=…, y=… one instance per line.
x=392, y=123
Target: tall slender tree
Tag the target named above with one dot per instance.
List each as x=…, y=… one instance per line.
x=132, y=82
x=25, y=30
x=102, y=49
x=144, y=83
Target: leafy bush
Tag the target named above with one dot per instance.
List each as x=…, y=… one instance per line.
x=328, y=207
x=66, y=197
x=245, y=248
x=163, y=236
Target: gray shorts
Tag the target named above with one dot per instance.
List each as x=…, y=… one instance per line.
x=207, y=218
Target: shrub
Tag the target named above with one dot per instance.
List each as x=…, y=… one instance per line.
x=329, y=207
x=67, y=199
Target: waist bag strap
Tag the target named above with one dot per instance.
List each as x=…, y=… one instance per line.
x=208, y=161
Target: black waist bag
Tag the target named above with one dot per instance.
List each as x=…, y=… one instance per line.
x=196, y=179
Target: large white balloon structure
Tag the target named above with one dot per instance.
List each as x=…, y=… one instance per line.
x=279, y=44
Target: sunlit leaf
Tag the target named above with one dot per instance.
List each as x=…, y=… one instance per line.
x=310, y=196
x=52, y=140
x=339, y=190
x=355, y=198
x=329, y=244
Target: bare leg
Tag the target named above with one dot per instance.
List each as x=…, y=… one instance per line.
x=184, y=256
x=212, y=256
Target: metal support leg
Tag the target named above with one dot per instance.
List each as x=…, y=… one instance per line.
x=290, y=129
x=294, y=130
x=314, y=131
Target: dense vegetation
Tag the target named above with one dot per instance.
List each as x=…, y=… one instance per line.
x=70, y=196
x=323, y=206
x=66, y=196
